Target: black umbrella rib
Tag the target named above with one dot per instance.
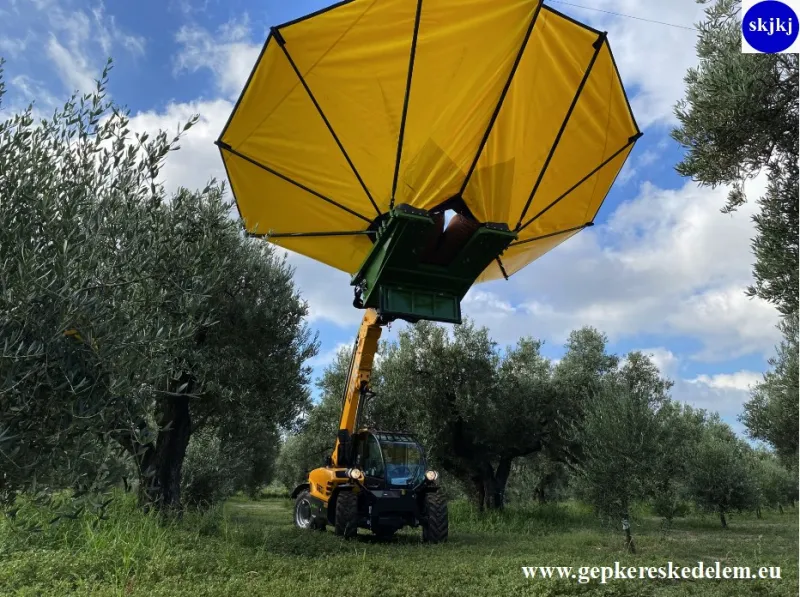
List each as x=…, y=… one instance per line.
x=282, y=43
x=552, y=234
x=401, y=136
x=598, y=44
x=630, y=142
x=502, y=99
x=502, y=268
x=228, y=148
x=317, y=234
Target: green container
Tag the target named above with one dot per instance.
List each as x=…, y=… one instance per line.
x=394, y=281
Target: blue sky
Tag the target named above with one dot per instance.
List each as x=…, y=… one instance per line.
x=662, y=270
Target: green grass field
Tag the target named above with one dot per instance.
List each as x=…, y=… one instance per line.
x=251, y=548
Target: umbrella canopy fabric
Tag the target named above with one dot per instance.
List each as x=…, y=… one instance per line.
x=511, y=106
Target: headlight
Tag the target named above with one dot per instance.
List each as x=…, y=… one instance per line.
x=355, y=474
x=431, y=476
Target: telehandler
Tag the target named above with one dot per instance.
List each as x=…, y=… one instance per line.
x=378, y=480
x=360, y=126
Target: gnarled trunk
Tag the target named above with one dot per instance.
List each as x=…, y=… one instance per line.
x=490, y=484
x=161, y=464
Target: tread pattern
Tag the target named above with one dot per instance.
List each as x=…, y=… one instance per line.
x=436, y=528
x=346, y=514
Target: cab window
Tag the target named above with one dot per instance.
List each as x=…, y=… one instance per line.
x=373, y=462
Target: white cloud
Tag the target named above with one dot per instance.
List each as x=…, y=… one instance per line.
x=72, y=66
x=12, y=47
x=108, y=33
x=741, y=380
x=666, y=262
x=723, y=393
x=228, y=53
x=75, y=42
x=198, y=160
x=30, y=90
x=327, y=357
x=666, y=361
x=728, y=402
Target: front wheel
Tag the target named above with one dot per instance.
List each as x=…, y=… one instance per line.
x=435, y=527
x=303, y=516
x=346, y=521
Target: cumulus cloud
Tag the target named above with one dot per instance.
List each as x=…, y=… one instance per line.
x=666, y=262
x=741, y=380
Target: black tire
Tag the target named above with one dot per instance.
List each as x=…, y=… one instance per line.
x=435, y=527
x=303, y=519
x=346, y=522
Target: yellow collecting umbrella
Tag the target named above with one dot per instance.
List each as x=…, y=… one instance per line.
x=508, y=107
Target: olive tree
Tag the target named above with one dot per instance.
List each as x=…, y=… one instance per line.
x=129, y=318
x=621, y=434
x=720, y=478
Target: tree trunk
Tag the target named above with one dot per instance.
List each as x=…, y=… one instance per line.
x=780, y=508
x=500, y=481
x=630, y=546
x=722, y=518
x=160, y=482
x=480, y=492
x=758, y=512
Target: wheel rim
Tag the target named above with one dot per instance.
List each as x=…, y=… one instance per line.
x=302, y=514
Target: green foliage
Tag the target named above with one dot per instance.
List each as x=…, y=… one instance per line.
x=621, y=434
x=306, y=449
x=538, y=477
x=771, y=414
x=206, y=475
x=720, y=477
x=475, y=409
x=681, y=430
x=119, y=304
x=776, y=487
x=739, y=117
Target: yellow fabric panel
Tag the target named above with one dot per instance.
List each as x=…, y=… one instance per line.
x=269, y=204
x=272, y=80
x=576, y=209
x=465, y=52
x=286, y=132
x=517, y=257
x=544, y=85
x=599, y=126
x=355, y=59
x=581, y=205
x=345, y=253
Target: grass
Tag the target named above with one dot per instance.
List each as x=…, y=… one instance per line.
x=251, y=548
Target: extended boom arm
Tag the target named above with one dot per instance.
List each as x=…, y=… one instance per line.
x=358, y=381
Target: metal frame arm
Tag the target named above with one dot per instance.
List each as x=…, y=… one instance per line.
x=358, y=377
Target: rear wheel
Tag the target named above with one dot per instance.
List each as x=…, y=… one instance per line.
x=435, y=527
x=303, y=516
x=346, y=524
